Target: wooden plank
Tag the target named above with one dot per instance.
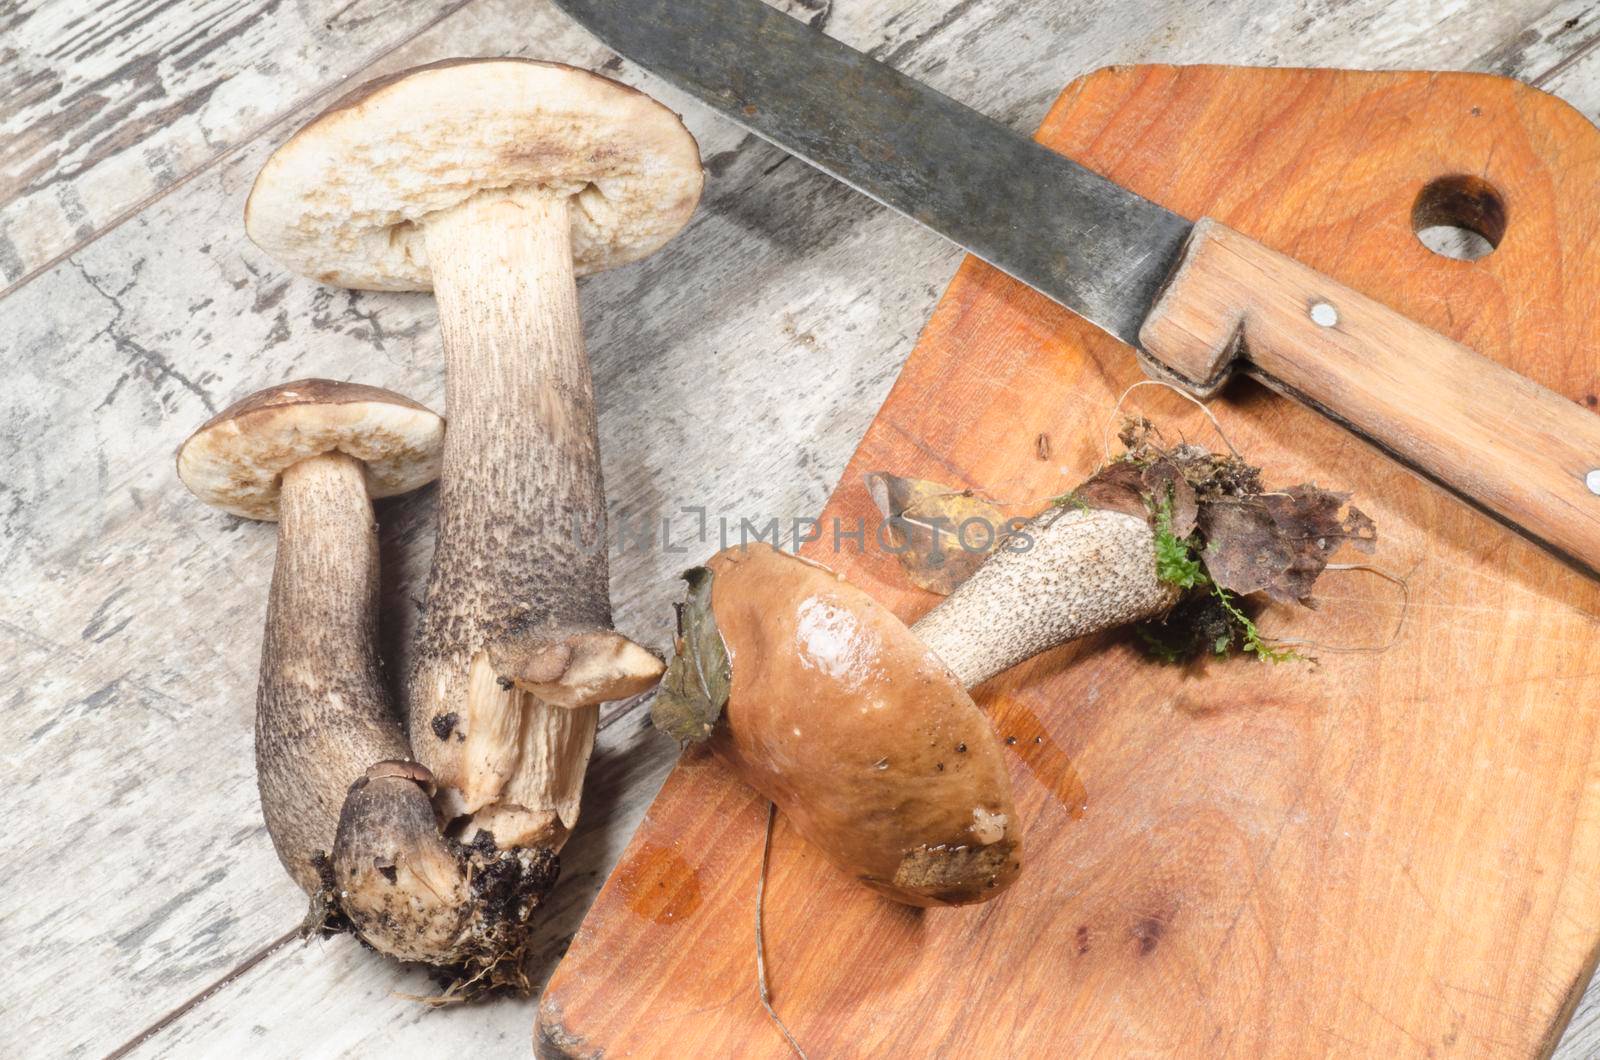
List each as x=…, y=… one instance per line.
x=1548, y=51
x=827, y=288
x=102, y=109
x=130, y=658
x=1273, y=862
x=104, y=106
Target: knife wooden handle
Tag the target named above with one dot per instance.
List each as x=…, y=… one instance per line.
x=1524, y=453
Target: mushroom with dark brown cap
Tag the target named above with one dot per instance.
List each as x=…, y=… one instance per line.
x=861, y=729
x=349, y=815
x=494, y=183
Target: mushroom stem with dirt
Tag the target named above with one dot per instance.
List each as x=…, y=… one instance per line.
x=863, y=730
x=514, y=177
x=349, y=815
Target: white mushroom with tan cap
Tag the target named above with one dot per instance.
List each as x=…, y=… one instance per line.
x=494, y=183
x=349, y=814
x=309, y=455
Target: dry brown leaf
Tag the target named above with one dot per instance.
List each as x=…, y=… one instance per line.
x=940, y=533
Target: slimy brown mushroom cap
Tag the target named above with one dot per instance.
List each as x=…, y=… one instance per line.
x=342, y=199
x=861, y=735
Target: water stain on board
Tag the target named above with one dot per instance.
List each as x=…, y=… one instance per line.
x=659, y=885
x=1023, y=734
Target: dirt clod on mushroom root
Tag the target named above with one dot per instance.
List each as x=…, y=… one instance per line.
x=1221, y=536
x=444, y=724
x=507, y=888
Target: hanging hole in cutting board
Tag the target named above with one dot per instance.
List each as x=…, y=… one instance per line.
x=1459, y=216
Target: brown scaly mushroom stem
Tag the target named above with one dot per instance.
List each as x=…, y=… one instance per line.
x=322, y=715
x=516, y=640
x=1087, y=570
x=515, y=177
x=351, y=819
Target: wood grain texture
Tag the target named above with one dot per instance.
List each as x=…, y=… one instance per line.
x=1283, y=861
x=135, y=653
x=1521, y=451
x=103, y=106
x=129, y=649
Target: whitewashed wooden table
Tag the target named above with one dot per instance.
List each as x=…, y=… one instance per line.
x=143, y=909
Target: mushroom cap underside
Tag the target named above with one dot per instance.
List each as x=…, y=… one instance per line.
x=862, y=737
x=236, y=460
x=344, y=198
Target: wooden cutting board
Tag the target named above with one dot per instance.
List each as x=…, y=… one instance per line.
x=1391, y=852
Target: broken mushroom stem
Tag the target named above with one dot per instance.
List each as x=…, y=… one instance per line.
x=517, y=639
x=1087, y=570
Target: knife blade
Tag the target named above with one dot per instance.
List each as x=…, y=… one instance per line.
x=1197, y=300
x=1095, y=247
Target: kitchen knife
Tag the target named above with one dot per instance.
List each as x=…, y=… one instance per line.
x=1197, y=300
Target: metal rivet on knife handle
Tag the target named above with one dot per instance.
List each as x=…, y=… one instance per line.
x=1521, y=452
x=1109, y=255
